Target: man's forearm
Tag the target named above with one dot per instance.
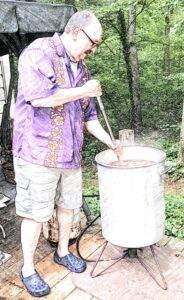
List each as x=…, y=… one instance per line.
x=96, y=129
x=91, y=88
x=61, y=97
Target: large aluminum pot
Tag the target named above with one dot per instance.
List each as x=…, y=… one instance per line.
x=131, y=199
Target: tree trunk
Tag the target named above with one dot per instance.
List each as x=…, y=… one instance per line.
x=125, y=45
x=133, y=57
x=181, y=148
x=131, y=61
x=167, y=59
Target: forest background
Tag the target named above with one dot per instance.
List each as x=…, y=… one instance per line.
x=140, y=64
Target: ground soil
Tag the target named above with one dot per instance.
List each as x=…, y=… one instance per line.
x=175, y=186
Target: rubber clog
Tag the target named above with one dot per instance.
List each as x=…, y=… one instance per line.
x=73, y=263
x=35, y=285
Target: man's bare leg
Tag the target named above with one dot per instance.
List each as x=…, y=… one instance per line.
x=30, y=233
x=62, y=255
x=65, y=219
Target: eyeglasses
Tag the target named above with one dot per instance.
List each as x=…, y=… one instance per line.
x=93, y=43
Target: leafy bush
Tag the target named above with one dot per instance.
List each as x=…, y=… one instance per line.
x=174, y=216
x=90, y=188
x=171, y=149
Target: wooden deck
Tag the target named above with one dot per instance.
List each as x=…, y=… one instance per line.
x=58, y=277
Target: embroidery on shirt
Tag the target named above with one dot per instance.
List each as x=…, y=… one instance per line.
x=56, y=131
x=56, y=115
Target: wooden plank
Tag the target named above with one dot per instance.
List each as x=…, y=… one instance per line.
x=57, y=276
x=176, y=245
x=14, y=282
x=62, y=289
x=58, y=292
x=9, y=271
x=77, y=294
x=14, y=263
x=11, y=291
x=164, y=240
x=90, y=246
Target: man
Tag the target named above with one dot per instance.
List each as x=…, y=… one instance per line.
x=53, y=105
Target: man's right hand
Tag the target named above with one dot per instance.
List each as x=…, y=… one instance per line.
x=92, y=88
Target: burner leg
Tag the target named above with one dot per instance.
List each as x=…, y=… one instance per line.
x=164, y=287
x=158, y=265
x=132, y=252
x=103, y=249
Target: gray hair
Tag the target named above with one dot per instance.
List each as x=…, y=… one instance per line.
x=80, y=19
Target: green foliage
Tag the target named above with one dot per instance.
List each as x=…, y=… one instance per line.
x=165, y=139
x=93, y=202
x=177, y=170
x=91, y=147
x=161, y=94
x=171, y=149
x=90, y=187
x=174, y=216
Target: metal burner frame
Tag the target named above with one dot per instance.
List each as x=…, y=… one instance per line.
x=132, y=253
x=129, y=252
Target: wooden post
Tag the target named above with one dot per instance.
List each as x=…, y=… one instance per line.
x=126, y=137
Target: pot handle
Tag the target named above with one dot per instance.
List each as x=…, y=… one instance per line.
x=167, y=169
x=94, y=163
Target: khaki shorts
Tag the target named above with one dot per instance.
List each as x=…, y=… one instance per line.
x=39, y=188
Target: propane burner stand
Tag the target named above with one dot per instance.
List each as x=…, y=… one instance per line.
x=132, y=253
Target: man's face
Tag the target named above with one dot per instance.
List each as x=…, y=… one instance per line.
x=86, y=40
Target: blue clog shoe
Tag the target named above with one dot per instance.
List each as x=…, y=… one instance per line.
x=35, y=285
x=73, y=263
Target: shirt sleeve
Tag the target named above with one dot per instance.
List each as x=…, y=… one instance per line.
x=90, y=112
x=36, y=74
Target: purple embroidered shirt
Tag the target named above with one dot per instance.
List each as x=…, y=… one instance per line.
x=49, y=136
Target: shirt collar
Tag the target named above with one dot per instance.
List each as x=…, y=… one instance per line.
x=60, y=49
x=58, y=44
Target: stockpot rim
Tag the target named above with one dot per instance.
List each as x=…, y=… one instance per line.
x=136, y=167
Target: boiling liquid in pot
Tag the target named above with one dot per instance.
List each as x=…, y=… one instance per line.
x=131, y=163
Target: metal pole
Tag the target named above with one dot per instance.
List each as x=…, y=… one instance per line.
x=106, y=120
